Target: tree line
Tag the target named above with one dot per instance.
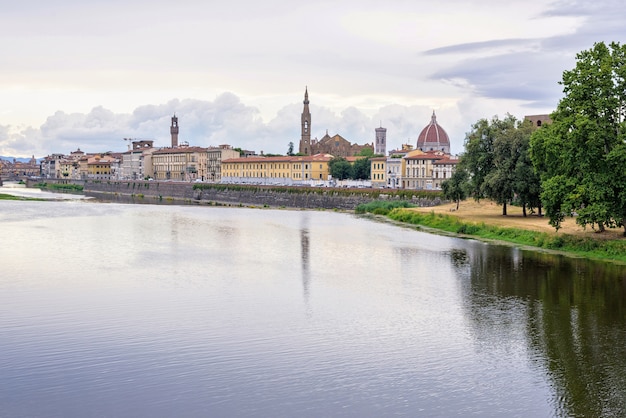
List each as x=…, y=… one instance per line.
x=573, y=166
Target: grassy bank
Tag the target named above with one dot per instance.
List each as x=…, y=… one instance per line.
x=613, y=250
x=11, y=197
x=75, y=188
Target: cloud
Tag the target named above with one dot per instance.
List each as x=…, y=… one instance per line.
x=224, y=120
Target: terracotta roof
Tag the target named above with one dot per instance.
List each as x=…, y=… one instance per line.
x=433, y=135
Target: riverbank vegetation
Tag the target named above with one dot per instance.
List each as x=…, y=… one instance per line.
x=77, y=188
x=572, y=166
x=4, y=196
x=483, y=221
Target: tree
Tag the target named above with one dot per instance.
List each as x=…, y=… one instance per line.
x=361, y=169
x=478, y=157
x=581, y=155
x=366, y=152
x=290, y=149
x=456, y=187
x=339, y=168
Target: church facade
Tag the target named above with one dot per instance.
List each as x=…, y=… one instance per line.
x=335, y=145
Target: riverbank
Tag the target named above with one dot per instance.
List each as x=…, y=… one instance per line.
x=484, y=221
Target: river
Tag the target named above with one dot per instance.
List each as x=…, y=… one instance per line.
x=118, y=310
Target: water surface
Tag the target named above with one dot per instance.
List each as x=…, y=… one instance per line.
x=160, y=311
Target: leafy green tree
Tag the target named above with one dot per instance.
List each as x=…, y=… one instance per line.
x=290, y=149
x=339, y=168
x=361, y=169
x=456, y=188
x=526, y=183
x=478, y=157
x=366, y=152
x=581, y=155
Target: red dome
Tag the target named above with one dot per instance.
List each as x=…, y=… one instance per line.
x=433, y=137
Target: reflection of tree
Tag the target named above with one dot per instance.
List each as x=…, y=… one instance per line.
x=575, y=314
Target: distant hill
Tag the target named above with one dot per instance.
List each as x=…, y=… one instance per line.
x=22, y=160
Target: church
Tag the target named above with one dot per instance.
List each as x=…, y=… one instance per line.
x=335, y=145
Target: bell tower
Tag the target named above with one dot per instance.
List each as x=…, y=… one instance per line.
x=305, y=136
x=174, y=131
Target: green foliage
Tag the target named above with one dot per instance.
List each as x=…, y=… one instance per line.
x=587, y=247
x=456, y=188
x=290, y=149
x=339, y=168
x=64, y=187
x=382, y=207
x=361, y=169
x=366, y=152
x=581, y=155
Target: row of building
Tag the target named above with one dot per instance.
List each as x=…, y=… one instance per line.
x=423, y=166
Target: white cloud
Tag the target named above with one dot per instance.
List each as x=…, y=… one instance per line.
x=104, y=70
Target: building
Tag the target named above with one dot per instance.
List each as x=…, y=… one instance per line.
x=425, y=167
x=433, y=137
x=335, y=145
x=426, y=170
x=133, y=167
x=174, y=131
x=380, y=143
x=214, y=158
x=102, y=167
x=538, y=120
x=277, y=170
x=183, y=163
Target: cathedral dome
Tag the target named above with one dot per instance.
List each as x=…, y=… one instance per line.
x=433, y=137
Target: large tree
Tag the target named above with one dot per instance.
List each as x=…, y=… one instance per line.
x=456, y=187
x=581, y=155
x=496, y=158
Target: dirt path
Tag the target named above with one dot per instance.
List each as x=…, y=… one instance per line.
x=491, y=213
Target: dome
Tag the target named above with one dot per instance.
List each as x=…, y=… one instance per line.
x=433, y=137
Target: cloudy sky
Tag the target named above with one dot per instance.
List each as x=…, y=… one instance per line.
x=86, y=74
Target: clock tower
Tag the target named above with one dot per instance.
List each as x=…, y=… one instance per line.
x=174, y=131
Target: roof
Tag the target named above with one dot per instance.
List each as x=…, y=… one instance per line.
x=281, y=159
x=433, y=135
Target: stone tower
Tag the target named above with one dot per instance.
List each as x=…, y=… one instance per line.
x=174, y=131
x=380, y=145
x=305, y=136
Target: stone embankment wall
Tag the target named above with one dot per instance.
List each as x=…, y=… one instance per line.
x=244, y=195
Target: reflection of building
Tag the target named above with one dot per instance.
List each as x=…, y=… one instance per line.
x=335, y=145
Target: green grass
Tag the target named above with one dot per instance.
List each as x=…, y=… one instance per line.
x=64, y=187
x=614, y=250
x=379, y=207
x=11, y=197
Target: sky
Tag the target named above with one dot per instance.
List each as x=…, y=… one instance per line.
x=87, y=74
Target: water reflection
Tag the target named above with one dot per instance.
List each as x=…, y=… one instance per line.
x=304, y=257
x=573, y=315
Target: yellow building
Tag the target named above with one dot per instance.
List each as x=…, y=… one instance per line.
x=276, y=170
x=378, y=171
x=427, y=170
x=99, y=167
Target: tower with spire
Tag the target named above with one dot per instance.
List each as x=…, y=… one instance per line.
x=174, y=131
x=305, y=135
